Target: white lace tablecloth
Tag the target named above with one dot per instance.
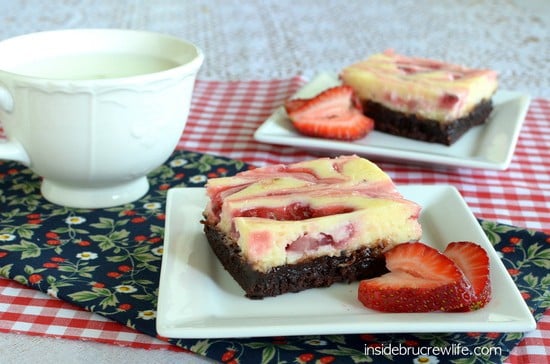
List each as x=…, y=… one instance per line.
x=277, y=39
x=261, y=40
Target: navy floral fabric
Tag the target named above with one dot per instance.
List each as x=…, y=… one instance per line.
x=108, y=261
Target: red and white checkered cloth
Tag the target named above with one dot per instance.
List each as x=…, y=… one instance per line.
x=223, y=119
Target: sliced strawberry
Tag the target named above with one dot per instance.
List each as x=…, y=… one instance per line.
x=328, y=103
x=351, y=126
x=421, y=279
x=292, y=105
x=473, y=260
x=335, y=113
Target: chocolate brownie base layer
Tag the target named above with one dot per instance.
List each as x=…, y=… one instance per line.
x=413, y=127
x=317, y=272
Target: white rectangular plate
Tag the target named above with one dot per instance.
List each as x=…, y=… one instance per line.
x=489, y=146
x=199, y=299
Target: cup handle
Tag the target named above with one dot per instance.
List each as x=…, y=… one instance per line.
x=11, y=150
x=14, y=151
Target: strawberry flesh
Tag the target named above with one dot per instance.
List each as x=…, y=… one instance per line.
x=293, y=212
x=473, y=260
x=421, y=279
x=335, y=113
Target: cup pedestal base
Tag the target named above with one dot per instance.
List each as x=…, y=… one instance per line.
x=94, y=197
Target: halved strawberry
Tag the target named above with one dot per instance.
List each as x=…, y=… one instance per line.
x=473, y=260
x=294, y=104
x=335, y=113
x=421, y=279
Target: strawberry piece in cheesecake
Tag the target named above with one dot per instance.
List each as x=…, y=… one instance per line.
x=282, y=228
x=335, y=113
x=421, y=98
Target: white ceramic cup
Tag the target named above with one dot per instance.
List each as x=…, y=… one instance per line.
x=93, y=111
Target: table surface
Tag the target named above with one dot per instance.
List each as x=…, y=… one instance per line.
x=267, y=40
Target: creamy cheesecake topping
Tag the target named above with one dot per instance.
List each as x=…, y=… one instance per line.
x=344, y=171
x=284, y=214
x=374, y=222
x=431, y=89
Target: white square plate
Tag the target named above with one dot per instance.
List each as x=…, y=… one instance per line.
x=489, y=146
x=199, y=299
